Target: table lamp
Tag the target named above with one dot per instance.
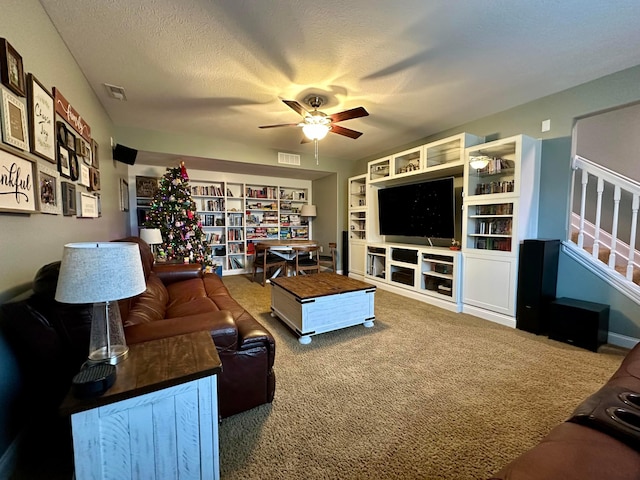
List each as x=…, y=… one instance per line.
x=153, y=237
x=308, y=211
x=102, y=273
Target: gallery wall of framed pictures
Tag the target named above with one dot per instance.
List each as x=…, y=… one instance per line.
x=48, y=159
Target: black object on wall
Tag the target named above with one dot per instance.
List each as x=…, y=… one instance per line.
x=537, y=278
x=124, y=154
x=345, y=252
x=580, y=323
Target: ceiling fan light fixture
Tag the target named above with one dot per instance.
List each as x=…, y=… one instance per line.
x=315, y=131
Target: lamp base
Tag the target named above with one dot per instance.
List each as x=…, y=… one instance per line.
x=113, y=356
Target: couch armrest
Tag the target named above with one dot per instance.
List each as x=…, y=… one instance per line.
x=177, y=272
x=220, y=324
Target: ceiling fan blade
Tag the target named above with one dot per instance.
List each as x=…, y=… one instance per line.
x=347, y=132
x=348, y=114
x=279, y=125
x=292, y=104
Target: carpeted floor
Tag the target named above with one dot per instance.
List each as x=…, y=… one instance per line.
x=425, y=394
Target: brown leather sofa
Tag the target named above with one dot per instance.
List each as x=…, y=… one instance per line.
x=50, y=340
x=600, y=440
x=181, y=299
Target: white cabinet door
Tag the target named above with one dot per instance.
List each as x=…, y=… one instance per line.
x=357, y=257
x=489, y=283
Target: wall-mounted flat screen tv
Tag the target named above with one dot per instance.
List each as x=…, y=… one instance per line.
x=418, y=210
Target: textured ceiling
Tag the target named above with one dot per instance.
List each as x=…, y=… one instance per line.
x=221, y=68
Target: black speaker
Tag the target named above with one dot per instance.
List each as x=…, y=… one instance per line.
x=537, y=278
x=580, y=323
x=125, y=154
x=345, y=252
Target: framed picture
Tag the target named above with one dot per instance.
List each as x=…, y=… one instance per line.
x=17, y=192
x=95, y=161
x=94, y=179
x=83, y=150
x=63, y=161
x=88, y=205
x=146, y=186
x=49, y=191
x=68, y=199
x=74, y=166
x=11, y=69
x=14, y=121
x=71, y=141
x=124, y=195
x=61, y=133
x=42, y=135
x=84, y=176
x=142, y=215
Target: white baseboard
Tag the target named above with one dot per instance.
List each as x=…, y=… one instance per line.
x=622, y=340
x=494, y=317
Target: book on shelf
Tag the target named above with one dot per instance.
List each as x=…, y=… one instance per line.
x=207, y=190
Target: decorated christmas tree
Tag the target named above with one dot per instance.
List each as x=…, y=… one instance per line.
x=174, y=213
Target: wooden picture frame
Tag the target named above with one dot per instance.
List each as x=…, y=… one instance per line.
x=94, y=179
x=74, y=166
x=68, y=199
x=146, y=186
x=14, y=121
x=88, y=205
x=95, y=160
x=63, y=161
x=17, y=188
x=49, y=191
x=84, y=179
x=124, y=195
x=11, y=68
x=71, y=141
x=42, y=133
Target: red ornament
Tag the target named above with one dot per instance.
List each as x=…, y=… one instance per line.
x=189, y=214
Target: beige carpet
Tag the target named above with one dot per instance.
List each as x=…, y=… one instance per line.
x=425, y=394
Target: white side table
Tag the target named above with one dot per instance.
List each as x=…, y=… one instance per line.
x=158, y=421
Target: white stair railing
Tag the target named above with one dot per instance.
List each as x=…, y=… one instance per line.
x=618, y=250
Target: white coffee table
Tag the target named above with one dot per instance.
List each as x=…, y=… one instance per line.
x=323, y=302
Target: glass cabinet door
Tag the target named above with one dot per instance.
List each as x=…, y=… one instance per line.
x=493, y=170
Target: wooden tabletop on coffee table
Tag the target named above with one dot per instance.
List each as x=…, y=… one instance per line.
x=320, y=284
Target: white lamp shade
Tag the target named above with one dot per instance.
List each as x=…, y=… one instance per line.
x=100, y=272
x=152, y=236
x=308, y=211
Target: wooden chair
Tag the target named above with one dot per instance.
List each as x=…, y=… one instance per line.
x=307, y=259
x=329, y=261
x=266, y=261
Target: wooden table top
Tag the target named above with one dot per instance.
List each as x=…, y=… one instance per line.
x=320, y=285
x=155, y=365
x=290, y=243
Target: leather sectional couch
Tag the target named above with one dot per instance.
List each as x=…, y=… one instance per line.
x=50, y=340
x=599, y=441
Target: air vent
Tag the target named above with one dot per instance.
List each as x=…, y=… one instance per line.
x=288, y=158
x=115, y=92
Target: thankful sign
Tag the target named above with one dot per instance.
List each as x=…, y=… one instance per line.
x=16, y=183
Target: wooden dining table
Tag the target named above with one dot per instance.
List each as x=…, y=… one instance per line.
x=285, y=248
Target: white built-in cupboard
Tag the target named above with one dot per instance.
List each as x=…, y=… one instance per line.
x=500, y=209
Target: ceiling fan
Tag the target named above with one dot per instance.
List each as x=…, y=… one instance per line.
x=316, y=124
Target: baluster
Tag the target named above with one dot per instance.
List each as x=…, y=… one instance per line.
x=632, y=238
x=596, y=237
x=583, y=201
x=614, y=229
